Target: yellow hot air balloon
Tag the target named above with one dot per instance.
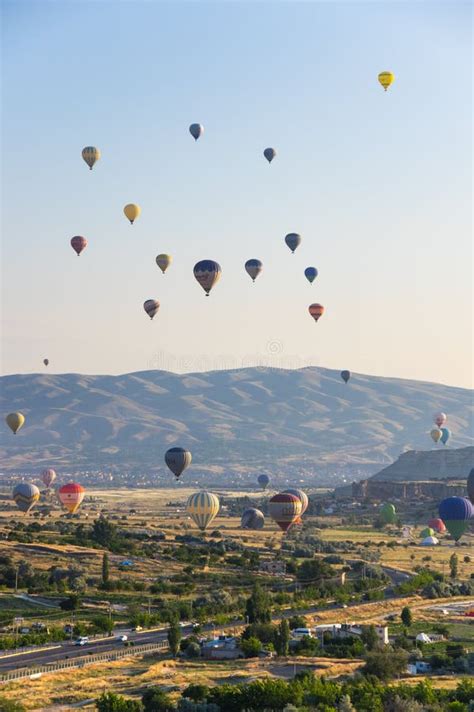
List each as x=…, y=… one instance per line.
x=203, y=508
x=385, y=79
x=163, y=262
x=132, y=211
x=15, y=421
x=91, y=155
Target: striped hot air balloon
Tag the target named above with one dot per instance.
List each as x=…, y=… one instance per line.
x=25, y=496
x=302, y=496
x=316, y=311
x=71, y=496
x=203, y=508
x=91, y=155
x=284, y=509
x=456, y=513
x=252, y=519
x=151, y=306
x=178, y=459
x=207, y=273
x=48, y=476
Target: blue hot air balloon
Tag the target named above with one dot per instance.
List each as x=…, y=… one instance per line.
x=445, y=435
x=345, y=375
x=293, y=240
x=263, y=481
x=311, y=273
x=456, y=513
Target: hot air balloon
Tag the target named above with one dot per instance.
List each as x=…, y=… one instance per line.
x=284, y=509
x=207, y=273
x=252, y=519
x=388, y=513
x=48, y=476
x=203, y=508
x=163, y=262
x=440, y=419
x=470, y=485
x=345, y=375
x=178, y=459
x=427, y=531
x=25, y=496
x=316, y=311
x=196, y=130
x=132, y=211
x=437, y=524
x=302, y=496
x=386, y=79
x=269, y=154
x=456, y=513
x=445, y=435
x=311, y=273
x=430, y=541
x=263, y=481
x=71, y=496
x=91, y=155
x=78, y=244
x=293, y=240
x=151, y=307
x=15, y=421
x=436, y=434
x=46, y=361
x=253, y=268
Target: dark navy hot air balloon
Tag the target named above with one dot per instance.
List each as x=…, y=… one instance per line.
x=345, y=375
x=178, y=459
x=253, y=268
x=456, y=513
x=470, y=485
x=263, y=481
x=269, y=154
x=293, y=240
x=207, y=273
x=196, y=130
x=311, y=273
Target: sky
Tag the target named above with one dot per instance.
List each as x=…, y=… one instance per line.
x=377, y=184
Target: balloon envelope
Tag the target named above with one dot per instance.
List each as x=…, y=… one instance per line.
x=456, y=513
x=311, y=273
x=71, y=496
x=436, y=434
x=345, y=375
x=203, y=508
x=48, y=476
x=196, y=130
x=445, y=435
x=386, y=79
x=470, y=485
x=263, y=481
x=269, y=154
x=427, y=531
x=78, y=244
x=252, y=519
x=207, y=273
x=316, y=311
x=46, y=361
x=163, y=262
x=302, y=496
x=284, y=509
x=25, y=496
x=151, y=306
x=91, y=155
x=437, y=524
x=440, y=419
x=388, y=513
x=293, y=240
x=178, y=459
x=15, y=421
x=253, y=268
x=132, y=211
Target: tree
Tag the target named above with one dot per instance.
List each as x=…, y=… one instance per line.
x=71, y=603
x=174, y=637
x=155, y=700
x=196, y=692
x=110, y=702
x=282, y=638
x=251, y=647
x=103, y=624
x=385, y=664
x=104, y=532
x=369, y=637
x=105, y=568
x=406, y=616
x=10, y=705
x=345, y=704
x=257, y=608
x=453, y=566
x=313, y=570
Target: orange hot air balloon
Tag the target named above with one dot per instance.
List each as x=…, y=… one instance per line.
x=71, y=495
x=316, y=311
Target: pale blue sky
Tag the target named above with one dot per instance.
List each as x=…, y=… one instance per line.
x=378, y=185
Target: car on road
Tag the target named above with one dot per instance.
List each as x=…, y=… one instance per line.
x=137, y=629
x=121, y=638
x=82, y=640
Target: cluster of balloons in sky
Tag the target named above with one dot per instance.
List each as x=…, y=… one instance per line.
x=440, y=433
x=26, y=495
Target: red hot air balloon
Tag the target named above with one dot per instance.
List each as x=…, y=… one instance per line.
x=316, y=311
x=71, y=495
x=437, y=524
x=78, y=244
x=151, y=307
x=284, y=509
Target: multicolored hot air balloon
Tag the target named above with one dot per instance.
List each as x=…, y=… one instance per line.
x=445, y=435
x=15, y=421
x=25, y=496
x=78, y=244
x=263, y=481
x=456, y=513
x=46, y=361
x=269, y=154
x=91, y=155
x=252, y=519
x=437, y=524
x=293, y=240
x=388, y=513
x=151, y=306
x=178, y=459
x=440, y=419
x=285, y=510
x=196, y=130
x=302, y=496
x=48, y=476
x=345, y=375
x=71, y=496
x=207, y=273
x=132, y=211
x=311, y=273
x=427, y=531
x=253, y=268
x=316, y=311
x=435, y=434
x=386, y=79
x=470, y=485
x=203, y=508
x=163, y=262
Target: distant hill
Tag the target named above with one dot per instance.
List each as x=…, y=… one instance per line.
x=432, y=465
x=304, y=420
